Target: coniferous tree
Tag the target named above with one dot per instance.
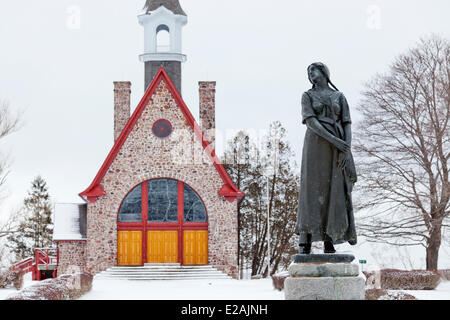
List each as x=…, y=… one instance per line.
x=36, y=227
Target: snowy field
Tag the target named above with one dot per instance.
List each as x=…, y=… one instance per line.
x=212, y=290
x=26, y=283
x=176, y=290
x=203, y=290
x=442, y=292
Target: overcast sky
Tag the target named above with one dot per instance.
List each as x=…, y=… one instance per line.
x=59, y=58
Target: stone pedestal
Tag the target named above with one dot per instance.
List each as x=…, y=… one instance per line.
x=324, y=277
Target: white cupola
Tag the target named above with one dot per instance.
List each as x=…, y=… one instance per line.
x=163, y=21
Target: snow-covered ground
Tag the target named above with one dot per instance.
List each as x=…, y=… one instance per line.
x=26, y=283
x=442, y=292
x=212, y=290
x=203, y=290
x=184, y=290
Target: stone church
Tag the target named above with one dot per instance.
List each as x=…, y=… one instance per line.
x=162, y=195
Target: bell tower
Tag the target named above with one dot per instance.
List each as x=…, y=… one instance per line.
x=163, y=21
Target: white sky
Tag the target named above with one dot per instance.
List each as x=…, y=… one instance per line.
x=256, y=50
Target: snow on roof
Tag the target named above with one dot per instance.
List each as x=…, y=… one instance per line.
x=70, y=221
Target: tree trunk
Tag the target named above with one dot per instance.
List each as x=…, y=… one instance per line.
x=433, y=245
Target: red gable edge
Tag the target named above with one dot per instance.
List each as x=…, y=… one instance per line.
x=228, y=190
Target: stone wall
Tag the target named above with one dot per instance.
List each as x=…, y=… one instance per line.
x=207, y=98
x=143, y=157
x=122, y=94
x=72, y=257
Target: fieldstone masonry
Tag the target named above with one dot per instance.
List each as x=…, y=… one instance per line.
x=144, y=156
x=207, y=98
x=72, y=257
x=122, y=94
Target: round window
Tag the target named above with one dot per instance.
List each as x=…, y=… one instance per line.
x=162, y=128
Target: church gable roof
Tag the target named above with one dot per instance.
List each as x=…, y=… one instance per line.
x=172, y=5
x=228, y=190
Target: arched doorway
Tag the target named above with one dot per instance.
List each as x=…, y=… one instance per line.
x=162, y=221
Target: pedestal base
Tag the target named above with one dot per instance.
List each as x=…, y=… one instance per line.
x=319, y=277
x=326, y=288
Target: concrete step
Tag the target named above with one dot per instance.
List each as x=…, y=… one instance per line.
x=163, y=268
x=162, y=272
x=163, y=275
x=162, y=278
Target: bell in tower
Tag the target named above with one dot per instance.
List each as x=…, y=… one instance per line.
x=163, y=21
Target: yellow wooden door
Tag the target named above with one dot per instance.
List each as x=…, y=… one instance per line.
x=129, y=251
x=162, y=247
x=195, y=247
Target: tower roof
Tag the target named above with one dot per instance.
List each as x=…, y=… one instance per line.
x=172, y=5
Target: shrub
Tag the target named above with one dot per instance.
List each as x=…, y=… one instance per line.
x=392, y=279
x=397, y=296
x=16, y=278
x=10, y=278
x=65, y=287
x=78, y=285
x=278, y=280
x=381, y=294
x=374, y=294
x=445, y=274
x=3, y=281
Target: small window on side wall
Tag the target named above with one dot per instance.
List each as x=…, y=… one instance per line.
x=131, y=210
x=194, y=209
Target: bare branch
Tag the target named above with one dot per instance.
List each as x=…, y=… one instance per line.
x=402, y=148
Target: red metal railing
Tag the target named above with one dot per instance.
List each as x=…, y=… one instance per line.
x=43, y=259
x=26, y=265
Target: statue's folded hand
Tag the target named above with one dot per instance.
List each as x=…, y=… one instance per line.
x=341, y=145
x=343, y=159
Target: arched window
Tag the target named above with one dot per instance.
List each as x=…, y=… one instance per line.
x=131, y=208
x=162, y=38
x=162, y=200
x=194, y=209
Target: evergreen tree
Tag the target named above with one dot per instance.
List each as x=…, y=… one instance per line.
x=36, y=228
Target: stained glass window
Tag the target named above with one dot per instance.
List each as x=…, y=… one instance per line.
x=194, y=209
x=131, y=207
x=162, y=200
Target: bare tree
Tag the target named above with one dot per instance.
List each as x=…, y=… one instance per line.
x=403, y=150
x=237, y=163
x=269, y=178
x=9, y=123
x=11, y=225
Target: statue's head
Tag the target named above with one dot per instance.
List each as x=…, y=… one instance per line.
x=318, y=71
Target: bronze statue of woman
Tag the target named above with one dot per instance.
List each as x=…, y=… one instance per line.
x=328, y=172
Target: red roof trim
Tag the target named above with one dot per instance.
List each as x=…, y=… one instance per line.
x=228, y=190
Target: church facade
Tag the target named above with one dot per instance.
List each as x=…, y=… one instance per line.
x=161, y=195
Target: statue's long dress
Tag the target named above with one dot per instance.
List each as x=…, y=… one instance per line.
x=325, y=206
